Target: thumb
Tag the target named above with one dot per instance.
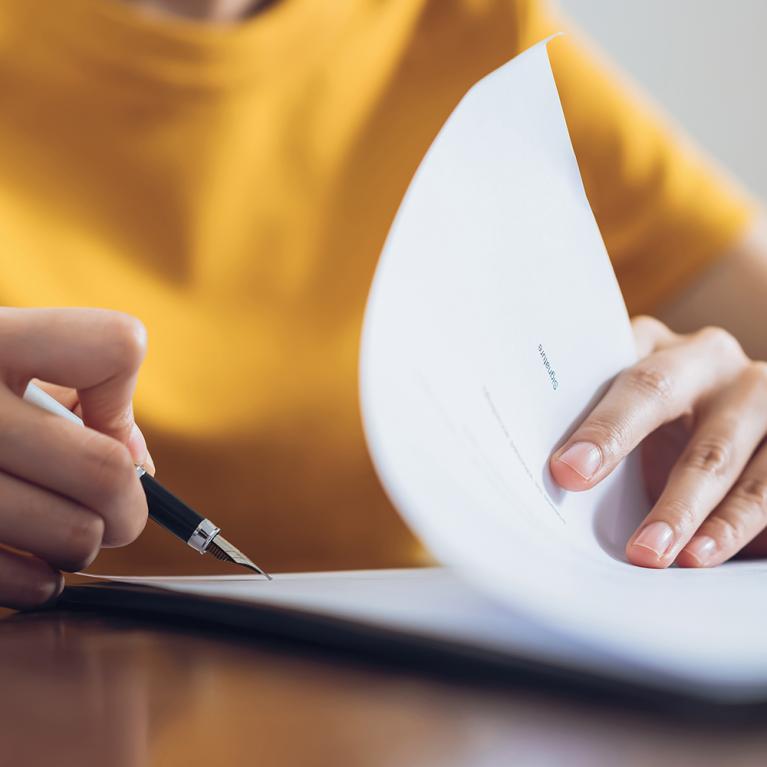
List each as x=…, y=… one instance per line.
x=138, y=449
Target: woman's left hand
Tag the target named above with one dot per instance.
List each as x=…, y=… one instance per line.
x=698, y=405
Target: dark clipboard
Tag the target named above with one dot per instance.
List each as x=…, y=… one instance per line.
x=351, y=641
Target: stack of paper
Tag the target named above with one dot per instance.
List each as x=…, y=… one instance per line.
x=494, y=322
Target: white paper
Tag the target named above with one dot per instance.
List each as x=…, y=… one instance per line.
x=436, y=604
x=495, y=259
x=430, y=602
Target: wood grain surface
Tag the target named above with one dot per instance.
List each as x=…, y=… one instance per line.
x=96, y=690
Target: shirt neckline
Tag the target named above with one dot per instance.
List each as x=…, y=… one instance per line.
x=117, y=37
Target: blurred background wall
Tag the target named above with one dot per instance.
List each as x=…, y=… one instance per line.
x=704, y=61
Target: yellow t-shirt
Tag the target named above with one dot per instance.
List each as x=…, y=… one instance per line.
x=232, y=187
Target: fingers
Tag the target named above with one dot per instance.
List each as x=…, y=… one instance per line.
x=97, y=352
x=658, y=389
x=730, y=429
x=66, y=490
x=714, y=501
x=89, y=468
x=740, y=517
x=26, y=581
x=53, y=528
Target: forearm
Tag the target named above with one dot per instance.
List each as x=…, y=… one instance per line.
x=731, y=294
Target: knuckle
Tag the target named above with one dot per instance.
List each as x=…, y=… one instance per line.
x=122, y=422
x=82, y=540
x=721, y=340
x=711, y=456
x=751, y=493
x=127, y=338
x=680, y=514
x=743, y=513
x=726, y=530
x=646, y=323
x=756, y=373
x=651, y=381
x=128, y=522
x=110, y=466
x=609, y=434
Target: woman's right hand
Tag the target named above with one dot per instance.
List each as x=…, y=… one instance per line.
x=65, y=490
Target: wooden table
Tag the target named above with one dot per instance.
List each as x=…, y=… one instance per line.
x=87, y=689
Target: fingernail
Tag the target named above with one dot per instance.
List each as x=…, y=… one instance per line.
x=656, y=537
x=584, y=458
x=137, y=446
x=149, y=464
x=701, y=548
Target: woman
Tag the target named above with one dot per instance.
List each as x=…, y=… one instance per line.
x=227, y=172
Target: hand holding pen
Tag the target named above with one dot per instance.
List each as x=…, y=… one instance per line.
x=65, y=490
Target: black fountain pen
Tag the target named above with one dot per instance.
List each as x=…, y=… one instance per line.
x=185, y=523
x=164, y=508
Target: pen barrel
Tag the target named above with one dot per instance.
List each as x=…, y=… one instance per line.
x=172, y=513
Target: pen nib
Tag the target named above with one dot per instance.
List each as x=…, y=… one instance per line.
x=220, y=548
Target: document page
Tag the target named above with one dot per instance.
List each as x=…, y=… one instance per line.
x=436, y=604
x=494, y=323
